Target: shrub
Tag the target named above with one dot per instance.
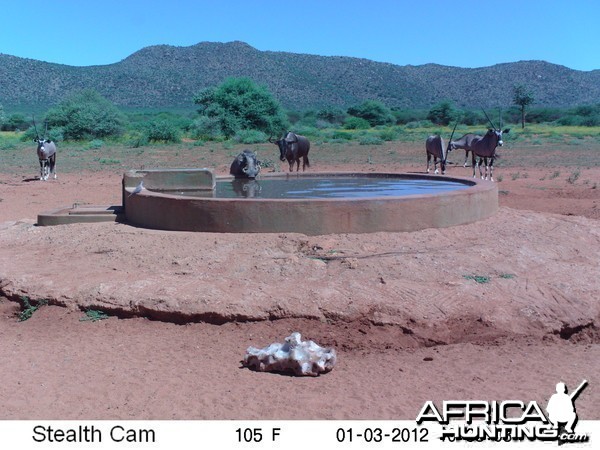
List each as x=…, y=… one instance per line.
x=344, y=135
x=206, y=128
x=240, y=104
x=370, y=140
x=163, y=131
x=86, y=115
x=250, y=136
x=332, y=115
x=388, y=135
x=96, y=144
x=14, y=122
x=136, y=138
x=443, y=113
x=356, y=123
x=374, y=112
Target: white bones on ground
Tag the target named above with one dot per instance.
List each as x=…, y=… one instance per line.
x=295, y=356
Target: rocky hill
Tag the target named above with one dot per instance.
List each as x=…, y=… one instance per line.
x=168, y=77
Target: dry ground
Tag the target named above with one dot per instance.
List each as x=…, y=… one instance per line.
x=408, y=323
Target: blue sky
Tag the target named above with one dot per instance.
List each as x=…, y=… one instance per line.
x=469, y=33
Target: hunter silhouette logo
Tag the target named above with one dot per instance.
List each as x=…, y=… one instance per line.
x=509, y=420
x=561, y=409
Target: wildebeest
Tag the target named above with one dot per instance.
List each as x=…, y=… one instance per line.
x=46, y=151
x=245, y=165
x=292, y=147
x=485, y=147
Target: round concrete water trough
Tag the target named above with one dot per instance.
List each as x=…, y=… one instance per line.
x=188, y=200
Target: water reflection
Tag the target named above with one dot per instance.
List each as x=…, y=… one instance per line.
x=246, y=188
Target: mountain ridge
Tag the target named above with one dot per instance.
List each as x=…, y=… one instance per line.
x=166, y=76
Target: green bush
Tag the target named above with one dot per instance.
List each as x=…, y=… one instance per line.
x=389, y=135
x=250, y=137
x=402, y=116
x=206, y=128
x=332, y=115
x=86, y=115
x=136, y=138
x=163, y=131
x=374, y=112
x=370, y=140
x=240, y=104
x=344, y=135
x=356, y=123
x=443, y=113
x=14, y=122
x=96, y=144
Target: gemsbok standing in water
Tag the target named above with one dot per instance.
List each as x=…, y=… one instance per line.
x=434, y=146
x=46, y=151
x=485, y=147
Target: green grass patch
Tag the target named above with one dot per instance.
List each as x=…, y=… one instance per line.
x=28, y=309
x=481, y=279
x=94, y=315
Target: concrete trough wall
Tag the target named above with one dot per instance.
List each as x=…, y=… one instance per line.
x=309, y=216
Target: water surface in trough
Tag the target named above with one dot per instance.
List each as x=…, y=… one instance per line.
x=326, y=187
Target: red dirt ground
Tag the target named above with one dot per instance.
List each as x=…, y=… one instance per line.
x=406, y=323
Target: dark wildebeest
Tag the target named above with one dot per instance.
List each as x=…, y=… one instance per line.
x=292, y=147
x=245, y=165
x=485, y=147
x=46, y=151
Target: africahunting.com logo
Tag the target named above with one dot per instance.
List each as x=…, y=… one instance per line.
x=510, y=420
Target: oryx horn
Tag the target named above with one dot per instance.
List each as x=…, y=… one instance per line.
x=37, y=136
x=449, y=142
x=489, y=120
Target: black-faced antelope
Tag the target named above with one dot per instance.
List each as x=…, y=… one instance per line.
x=485, y=147
x=46, y=151
x=434, y=146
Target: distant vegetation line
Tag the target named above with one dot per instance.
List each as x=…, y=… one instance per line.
x=167, y=78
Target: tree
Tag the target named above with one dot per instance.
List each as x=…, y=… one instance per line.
x=86, y=115
x=240, y=104
x=373, y=111
x=522, y=97
x=15, y=122
x=442, y=114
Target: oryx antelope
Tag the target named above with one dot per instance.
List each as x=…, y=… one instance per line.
x=292, y=147
x=485, y=147
x=434, y=146
x=46, y=151
x=464, y=143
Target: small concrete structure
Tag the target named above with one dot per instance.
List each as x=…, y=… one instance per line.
x=151, y=208
x=80, y=214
